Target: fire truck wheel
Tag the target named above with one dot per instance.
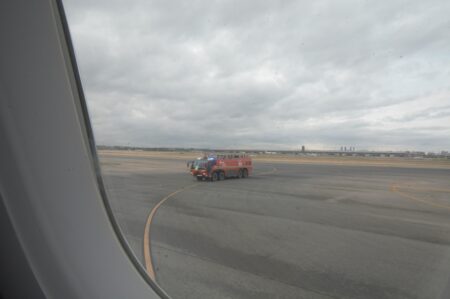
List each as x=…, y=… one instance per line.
x=199, y=178
x=214, y=177
x=245, y=173
x=221, y=176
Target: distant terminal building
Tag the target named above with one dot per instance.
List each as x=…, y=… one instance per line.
x=348, y=149
x=344, y=151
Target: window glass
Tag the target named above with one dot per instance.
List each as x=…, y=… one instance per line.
x=275, y=149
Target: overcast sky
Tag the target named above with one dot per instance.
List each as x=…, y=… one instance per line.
x=266, y=74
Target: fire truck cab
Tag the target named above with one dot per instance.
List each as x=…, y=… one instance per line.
x=216, y=167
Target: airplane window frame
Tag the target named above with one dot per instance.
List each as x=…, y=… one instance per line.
x=83, y=115
x=51, y=190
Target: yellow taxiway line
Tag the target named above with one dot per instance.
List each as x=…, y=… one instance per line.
x=147, y=254
x=395, y=189
x=147, y=248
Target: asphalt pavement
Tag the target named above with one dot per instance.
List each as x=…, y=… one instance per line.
x=288, y=231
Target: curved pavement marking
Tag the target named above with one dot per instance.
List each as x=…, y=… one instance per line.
x=147, y=254
x=147, y=247
x=395, y=189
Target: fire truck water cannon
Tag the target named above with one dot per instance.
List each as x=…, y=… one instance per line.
x=217, y=167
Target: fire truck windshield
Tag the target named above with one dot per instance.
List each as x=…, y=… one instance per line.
x=200, y=164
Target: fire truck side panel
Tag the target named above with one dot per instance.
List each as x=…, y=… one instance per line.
x=229, y=165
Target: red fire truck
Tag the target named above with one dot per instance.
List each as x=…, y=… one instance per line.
x=216, y=167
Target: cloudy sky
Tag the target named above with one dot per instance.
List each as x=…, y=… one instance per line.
x=266, y=74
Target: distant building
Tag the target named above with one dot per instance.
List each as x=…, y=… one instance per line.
x=303, y=149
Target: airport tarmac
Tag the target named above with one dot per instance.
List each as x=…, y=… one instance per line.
x=288, y=231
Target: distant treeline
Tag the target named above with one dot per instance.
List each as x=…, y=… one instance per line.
x=150, y=149
x=362, y=153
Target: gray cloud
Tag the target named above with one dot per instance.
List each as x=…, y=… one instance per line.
x=266, y=74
